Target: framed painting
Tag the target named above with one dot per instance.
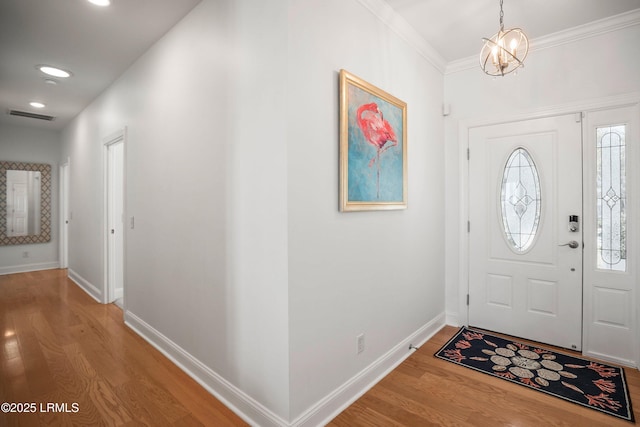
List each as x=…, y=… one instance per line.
x=373, y=147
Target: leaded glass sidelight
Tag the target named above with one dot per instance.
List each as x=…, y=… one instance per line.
x=611, y=196
x=520, y=200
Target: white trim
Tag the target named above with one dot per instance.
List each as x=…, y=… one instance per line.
x=114, y=137
x=453, y=319
x=463, y=232
x=231, y=396
x=338, y=400
x=63, y=205
x=592, y=29
x=25, y=268
x=108, y=294
x=252, y=411
x=85, y=285
x=610, y=359
x=593, y=104
x=405, y=31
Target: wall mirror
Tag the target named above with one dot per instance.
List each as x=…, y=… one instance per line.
x=25, y=203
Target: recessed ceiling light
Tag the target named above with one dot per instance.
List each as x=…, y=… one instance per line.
x=36, y=104
x=53, y=71
x=100, y=2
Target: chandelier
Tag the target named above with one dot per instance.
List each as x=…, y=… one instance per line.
x=505, y=51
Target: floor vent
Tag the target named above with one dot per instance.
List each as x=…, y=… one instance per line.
x=30, y=115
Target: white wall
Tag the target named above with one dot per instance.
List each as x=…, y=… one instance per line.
x=31, y=145
x=240, y=266
x=565, y=75
x=81, y=144
x=377, y=273
x=206, y=265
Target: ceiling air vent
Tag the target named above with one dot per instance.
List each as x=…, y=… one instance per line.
x=30, y=115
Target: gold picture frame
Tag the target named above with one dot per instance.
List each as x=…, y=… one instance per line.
x=373, y=147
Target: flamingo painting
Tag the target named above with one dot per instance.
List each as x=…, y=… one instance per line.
x=373, y=147
x=377, y=132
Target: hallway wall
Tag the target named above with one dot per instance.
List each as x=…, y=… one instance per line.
x=376, y=273
x=240, y=266
x=205, y=267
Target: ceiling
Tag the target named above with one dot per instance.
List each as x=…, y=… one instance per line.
x=456, y=28
x=99, y=44
x=96, y=43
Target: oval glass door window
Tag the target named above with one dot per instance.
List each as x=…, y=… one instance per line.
x=520, y=200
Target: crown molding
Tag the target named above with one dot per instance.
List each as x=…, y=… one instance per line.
x=592, y=29
x=402, y=28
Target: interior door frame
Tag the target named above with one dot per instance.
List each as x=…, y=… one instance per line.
x=108, y=292
x=64, y=213
x=463, y=162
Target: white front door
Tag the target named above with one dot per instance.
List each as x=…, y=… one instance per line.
x=525, y=262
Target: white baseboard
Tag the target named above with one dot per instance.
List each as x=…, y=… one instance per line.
x=611, y=359
x=255, y=413
x=85, y=285
x=25, y=268
x=235, y=399
x=453, y=319
x=338, y=400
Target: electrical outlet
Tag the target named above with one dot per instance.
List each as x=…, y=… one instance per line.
x=360, y=343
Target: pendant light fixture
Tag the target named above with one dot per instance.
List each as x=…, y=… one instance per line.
x=505, y=51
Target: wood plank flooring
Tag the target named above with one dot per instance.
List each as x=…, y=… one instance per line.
x=425, y=391
x=60, y=346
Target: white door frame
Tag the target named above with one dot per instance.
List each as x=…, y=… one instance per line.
x=64, y=214
x=463, y=146
x=108, y=293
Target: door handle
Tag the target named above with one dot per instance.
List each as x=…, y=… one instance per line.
x=572, y=244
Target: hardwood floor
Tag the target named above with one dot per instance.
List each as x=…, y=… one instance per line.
x=61, y=347
x=425, y=391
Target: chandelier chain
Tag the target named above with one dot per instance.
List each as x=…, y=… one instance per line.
x=501, y=17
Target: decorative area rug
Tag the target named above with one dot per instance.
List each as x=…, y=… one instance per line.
x=590, y=384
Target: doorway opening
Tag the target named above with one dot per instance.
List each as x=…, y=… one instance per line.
x=114, y=214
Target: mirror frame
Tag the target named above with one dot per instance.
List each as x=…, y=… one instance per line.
x=45, y=216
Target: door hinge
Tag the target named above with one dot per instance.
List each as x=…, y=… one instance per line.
x=468, y=226
x=467, y=299
x=579, y=116
x=468, y=154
